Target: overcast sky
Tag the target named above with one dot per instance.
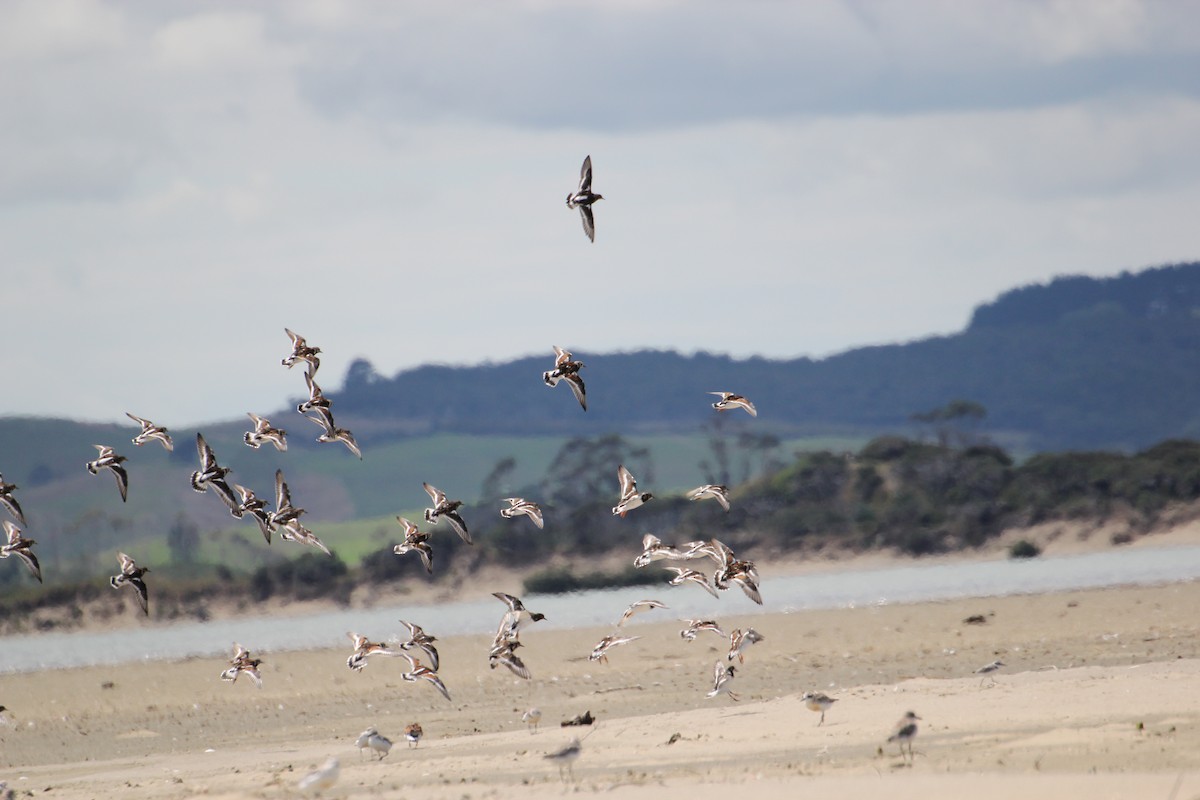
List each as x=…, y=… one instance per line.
x=179, y=181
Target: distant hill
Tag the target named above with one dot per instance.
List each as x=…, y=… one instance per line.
x=1096, y=363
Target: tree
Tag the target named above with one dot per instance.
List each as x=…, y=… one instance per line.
x=953, y=422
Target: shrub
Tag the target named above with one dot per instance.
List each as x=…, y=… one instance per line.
x=1024, y=549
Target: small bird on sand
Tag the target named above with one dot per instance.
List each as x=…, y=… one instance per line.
x=987, y=669
x=108, y=459
x=413, y=734
x=818, y=701
x=583, y=198
x=567, y=369
x=565, y=758
x=630, y=498
x=531, y=718
x=905, y=732
x=321, y=779
x=17, y=545
x=729, y=401
x=151, y=432
x=131, y=575
x=371, y=739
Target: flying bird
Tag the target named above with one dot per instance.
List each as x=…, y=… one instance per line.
x=131, y=575
x=301, y=352
x=420, y=640
x=631, y=498
x=108, y=459
x=565, y=368
x=683, y=576
x=265, y=433
x=415, y=541
x=722, y=677
x=503, y=654
x=316, y=398
x=583, y=197
x=600, y=651
x=256, y=507
x=729, y=401
x=150, y=432
x=654, y=550
x=363, y=648
x=739, y=640
x=637, y=608
x=715, y=491
x=17, y=545
x=333, y=433
x=284, y=512
x=212, y=475
x=445, y=508
x=420, y=672
x=519, y=505
x=695, y=626
x=9, y=502
x=242, y=664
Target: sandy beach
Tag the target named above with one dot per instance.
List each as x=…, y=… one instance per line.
x=1100, y=697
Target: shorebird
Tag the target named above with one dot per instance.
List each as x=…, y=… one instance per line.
x=722, y=677
x=364, y=647
x=17, y=545
x=583, y=197
x=987, y=669
x=818, y=701
x=322, y=778
x=108, y=459
x=242, y=663
x=906, y=731
x=730, y=401
x=695, y=626
x=301, y=352
x=637, y=608
x=531, y=718
x=131, y=575
x=284, y=512
x=654, y=550
x=683, y=576
x=420, y=672
x=565, y=368
x=333, y=433
x=212, y=475
x=151, y=432
x=256, y=507
x=715, y=491
x=420, y=640
x=413, y=734
x=415, y=541
x=565, y=757
x=503, y=654
x=744, y=574
x=9, y=502
x=445, y=508
x=631, y=498
x=600, y=651
x=519, y=505
x=316, y=399
x=265, y=433
x=370, y=739
x=517, y=609
x=739, y=640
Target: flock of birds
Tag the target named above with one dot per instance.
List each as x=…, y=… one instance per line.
x=284, y=519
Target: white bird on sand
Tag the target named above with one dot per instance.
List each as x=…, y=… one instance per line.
x=321, y=779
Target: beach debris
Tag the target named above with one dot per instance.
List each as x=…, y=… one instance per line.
x=975, y=619
x=585, y=718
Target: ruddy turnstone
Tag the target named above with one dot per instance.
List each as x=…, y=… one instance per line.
x=654, y=550
x=600, y=651
x=729, y=401
x=695, y=626
x=150, y=432
x=364, y=647
x=242, y=663
x=715, y=491
x=413, y=734
x=722, y=677
x=256, y=507
x=212, y=475
x=905, y=732
x=371, y=739
x=301, y=352
x=445, y=508
x=683, y=576
x=108, y=459
x=637, y=608
x=565, y=368
x=322, y=778
x=583, y=197
x=739, y=640
x=818, y=701
x=294, y=531
x=565, y=758
x=420, y=672
x=316, y=398
x=9, y=502
x=333, y=433
x=519, y=505
x=420, y=640
x=631, y=498
x=517, y=608
x=131, y=575
x=744, y=574
x=531, y=718
x=285, y=512
x=17, y=545
x=415, y=541
x=265, y=433
x=503, y=655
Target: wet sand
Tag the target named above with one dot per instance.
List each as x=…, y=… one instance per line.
x=1100, y=698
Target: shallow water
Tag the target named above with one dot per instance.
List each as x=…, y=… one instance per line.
x=905, y=584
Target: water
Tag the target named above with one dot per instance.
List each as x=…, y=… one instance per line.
x=907, y=584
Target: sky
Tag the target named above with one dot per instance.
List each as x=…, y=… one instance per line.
x=179, y=181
